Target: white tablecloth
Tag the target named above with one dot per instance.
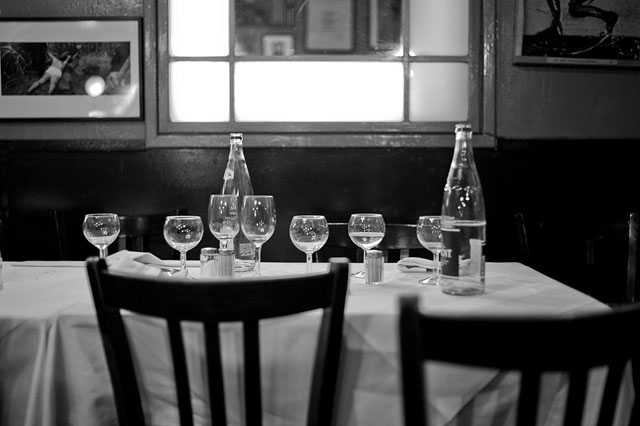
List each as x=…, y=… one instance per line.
x=53, y=371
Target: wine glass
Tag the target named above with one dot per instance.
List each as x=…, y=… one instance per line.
x=309, y=233
x=183, y=233
x=430, y=236
x=258, y=221
x=101, y=229
x=366, y=230
x=223, y=218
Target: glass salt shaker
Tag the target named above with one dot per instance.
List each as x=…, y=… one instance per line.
x=226, y=260
x=374, y=267
x=208, y=262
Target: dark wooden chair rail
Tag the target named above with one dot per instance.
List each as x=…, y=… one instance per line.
x=530, y=345
x=211, y=303
x=597, y=237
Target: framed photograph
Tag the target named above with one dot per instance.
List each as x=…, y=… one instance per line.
x=277, y=45
x=329, y=26
x=578, y=32
x=70, y=69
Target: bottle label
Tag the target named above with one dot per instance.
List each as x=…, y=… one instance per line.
x=450, y=255
x=228, y=174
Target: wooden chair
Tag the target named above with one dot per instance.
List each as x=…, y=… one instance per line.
x=399, y=241
x=574, y=345
x=34, y=235
x=211, y=303
x=608, y=264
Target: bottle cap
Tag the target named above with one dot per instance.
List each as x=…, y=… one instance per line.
x=208, y=250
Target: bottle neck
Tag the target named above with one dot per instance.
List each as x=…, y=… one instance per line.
x=463, y=153
x=235, y=149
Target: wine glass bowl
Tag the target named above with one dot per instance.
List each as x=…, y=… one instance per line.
x=429, y=235
x=101, y=229
x=366, y=230
x=309, y=233
x=258, y=221
x=183, y=233
x=224, y=223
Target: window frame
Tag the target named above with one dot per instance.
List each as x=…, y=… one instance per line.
x=177, y=130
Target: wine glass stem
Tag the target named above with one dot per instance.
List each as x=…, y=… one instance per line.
x=224, y=243
x=436, y=260
x=103, y=252
x=364, y=259
x=258, y=253
x=183, y=260
x=309, y=262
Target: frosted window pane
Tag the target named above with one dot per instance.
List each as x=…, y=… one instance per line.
x=198, y=27
x=439, y=27
x=439, y=92
x=199, y=91
x=318, y=91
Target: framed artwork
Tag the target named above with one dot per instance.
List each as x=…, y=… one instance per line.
x=70, y=69
x=277, y=45
x=329, y=26
x=578, y=32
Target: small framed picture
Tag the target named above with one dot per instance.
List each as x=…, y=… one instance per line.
x=277, y=45
x=329, y=26
x=577, y=32
x=70, y=69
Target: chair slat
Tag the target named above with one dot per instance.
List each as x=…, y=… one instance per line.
x=529, y=396
x=180, y=373
x=214, y=374
x=576, y=397
x=611, y=393
x=252, y=382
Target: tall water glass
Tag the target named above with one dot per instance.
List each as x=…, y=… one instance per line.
x=430, y=236
x=183, y=233
x=309, y=233
x=101, y=229
x=258, y=221
x=224, y=223
x=366, y=230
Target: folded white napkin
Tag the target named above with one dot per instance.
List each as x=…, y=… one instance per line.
x=141, y=263
x=415, y=264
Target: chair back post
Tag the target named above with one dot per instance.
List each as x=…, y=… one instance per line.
x=117, y=351
x=412, y=374
x=632, y=258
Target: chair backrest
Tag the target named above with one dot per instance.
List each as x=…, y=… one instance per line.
x=213, y=302
x=144, y=232
x=34, y=235
x=609, y=247
x=601, y=257
x=399, y=241
x=529, y=345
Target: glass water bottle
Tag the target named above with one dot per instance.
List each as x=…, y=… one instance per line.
x=237, y=182
x=463, y=222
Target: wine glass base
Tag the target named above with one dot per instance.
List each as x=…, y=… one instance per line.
x=430, y=280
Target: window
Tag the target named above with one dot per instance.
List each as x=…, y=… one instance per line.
x=410, y=66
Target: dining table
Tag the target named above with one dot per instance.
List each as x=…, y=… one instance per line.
x=53, y=370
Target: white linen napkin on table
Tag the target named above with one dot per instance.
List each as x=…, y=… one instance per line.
x=142, y=263
x=415, y=264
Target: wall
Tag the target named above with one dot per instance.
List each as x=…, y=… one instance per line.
x=533, y=168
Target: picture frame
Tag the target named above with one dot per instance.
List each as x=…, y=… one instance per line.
x=330, y=26
x=71, y=69
x=278, y=45
x=584, y=33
